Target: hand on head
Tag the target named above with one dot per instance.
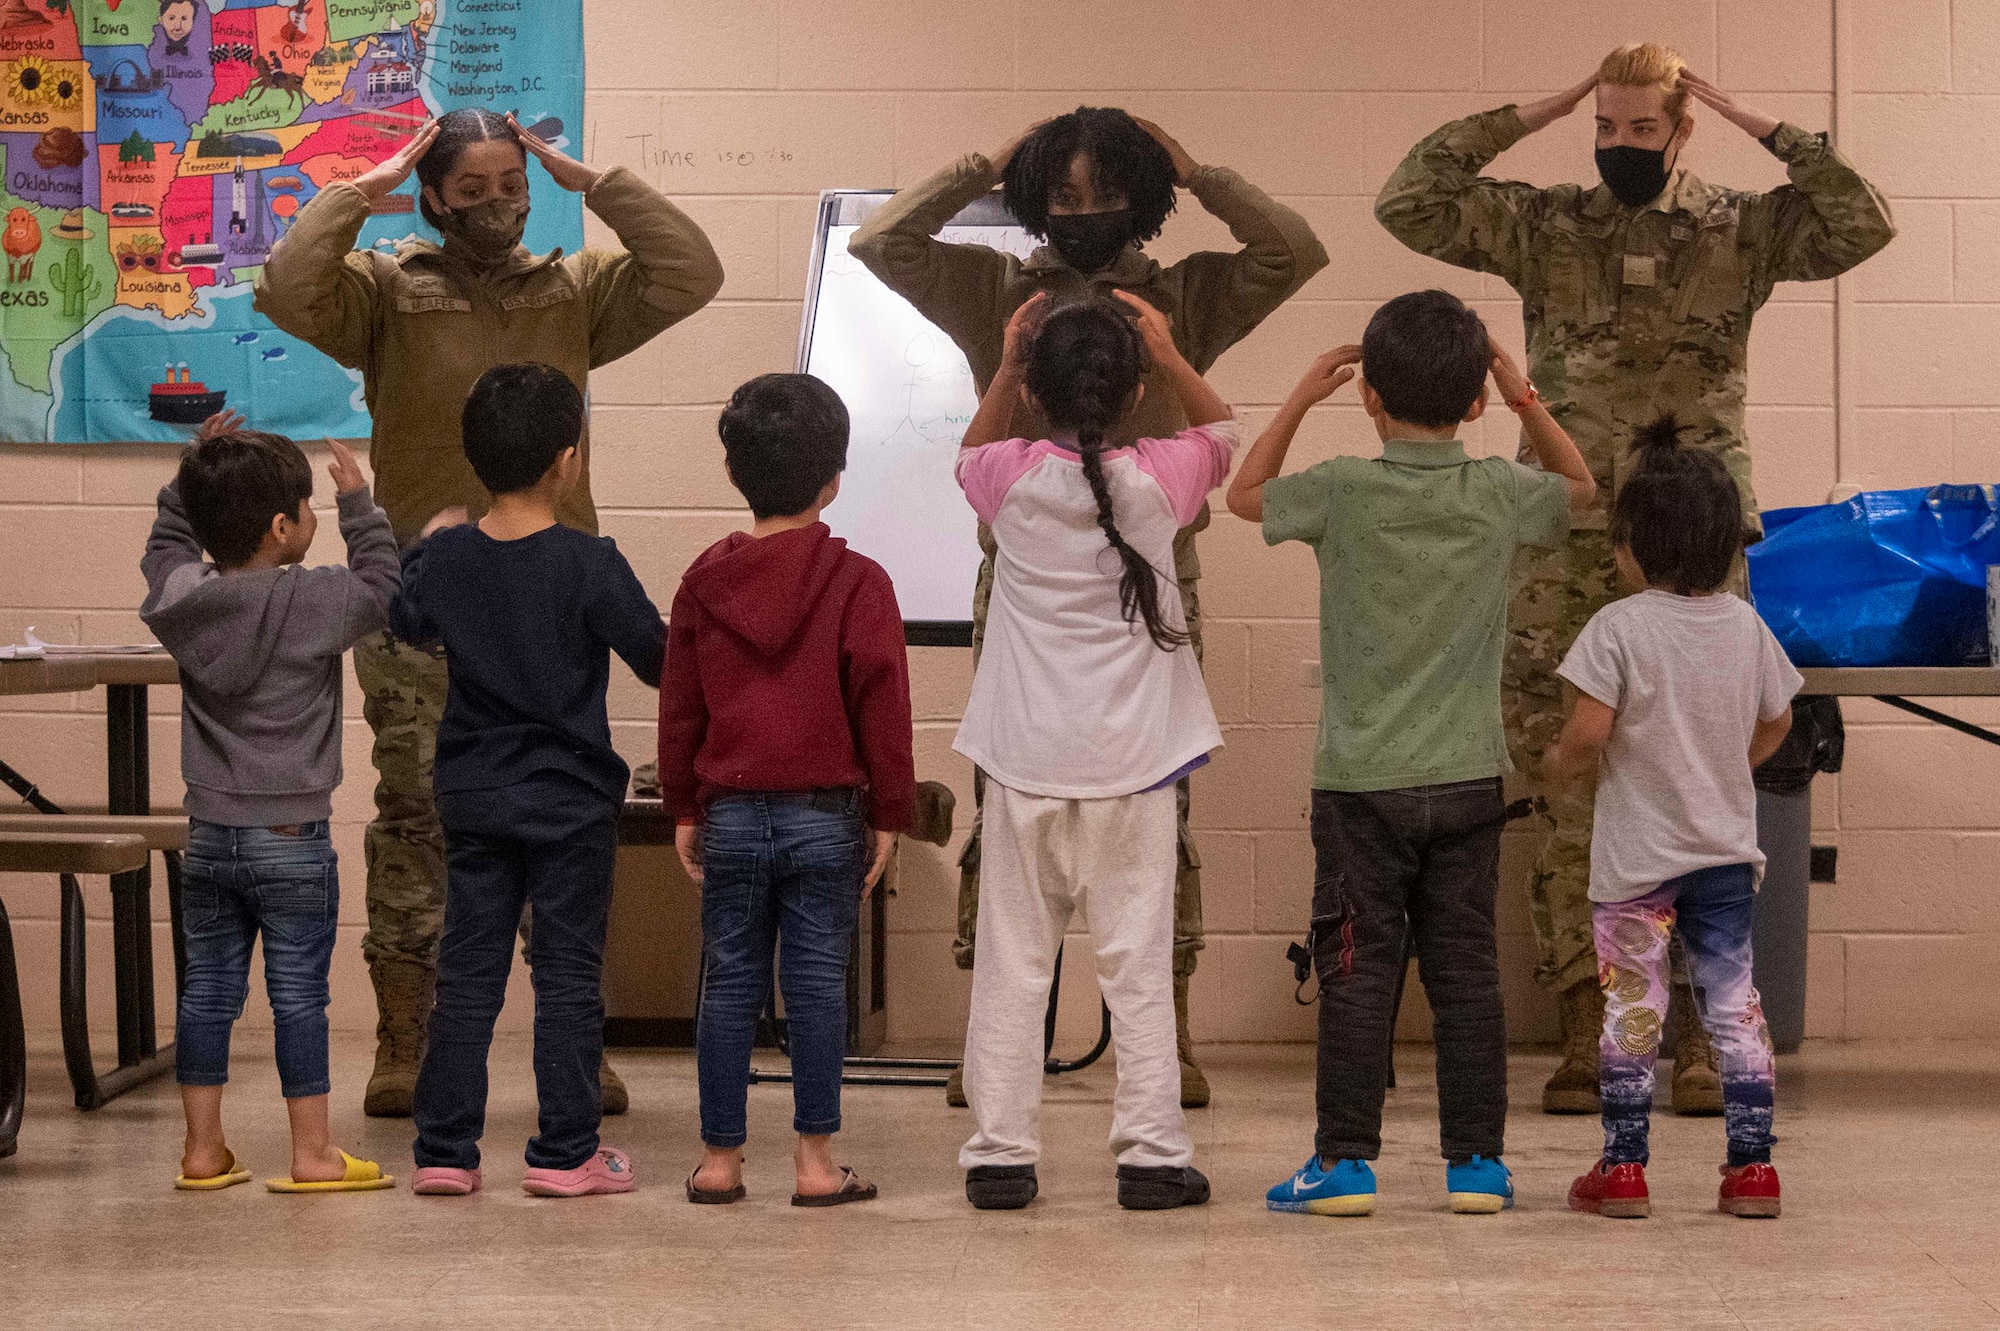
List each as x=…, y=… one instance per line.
x=222, y=422
x=1155, y=329
x=1329, y=372
x=394, y=169
x=565, y=170
x=1022, y=326
x=1507, y=376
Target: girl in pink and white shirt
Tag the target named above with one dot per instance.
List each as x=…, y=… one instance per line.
x=1086, y=707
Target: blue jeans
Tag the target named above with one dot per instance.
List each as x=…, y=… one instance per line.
x=549, y=844
x=777, y=868
x=238, y=882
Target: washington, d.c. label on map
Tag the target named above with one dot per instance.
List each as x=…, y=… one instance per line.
x=153, y=151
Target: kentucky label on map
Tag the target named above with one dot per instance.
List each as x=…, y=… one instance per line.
x=152, y=152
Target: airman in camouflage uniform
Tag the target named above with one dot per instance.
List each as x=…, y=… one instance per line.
x=1630, y=313
x=422, y=323
x=1213, y=300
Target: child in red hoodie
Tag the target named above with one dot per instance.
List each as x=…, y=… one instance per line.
x=786, y=760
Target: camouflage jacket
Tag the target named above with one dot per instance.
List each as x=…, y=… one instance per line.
x=1633, y=312
x=422, y=325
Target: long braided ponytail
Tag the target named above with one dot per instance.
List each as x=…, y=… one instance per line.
x=1086, y=362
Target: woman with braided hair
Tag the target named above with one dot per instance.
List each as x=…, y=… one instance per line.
x=1087, y=707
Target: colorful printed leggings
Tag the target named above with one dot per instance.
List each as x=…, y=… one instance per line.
x=1714, y=908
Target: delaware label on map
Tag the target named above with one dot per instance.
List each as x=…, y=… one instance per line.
x=152, y=152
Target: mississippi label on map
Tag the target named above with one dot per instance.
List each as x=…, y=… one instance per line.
x=153, y=151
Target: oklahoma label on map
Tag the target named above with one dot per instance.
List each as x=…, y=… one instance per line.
x=152, y=152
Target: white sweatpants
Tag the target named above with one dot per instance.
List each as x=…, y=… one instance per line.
x=1040, y=858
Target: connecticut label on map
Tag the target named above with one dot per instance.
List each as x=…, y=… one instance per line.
x=153, y=151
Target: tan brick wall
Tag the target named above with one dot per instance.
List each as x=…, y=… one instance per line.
x=744, y=110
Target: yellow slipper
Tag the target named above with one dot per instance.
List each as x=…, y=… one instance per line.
x=362, y=1176
x=228, y=1178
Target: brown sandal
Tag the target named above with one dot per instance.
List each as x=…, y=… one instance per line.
x=714, y=1196
x=853, y=1188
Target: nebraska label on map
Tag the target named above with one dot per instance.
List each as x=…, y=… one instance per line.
x=152, y=152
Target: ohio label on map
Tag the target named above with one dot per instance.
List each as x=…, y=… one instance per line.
x=152, y=152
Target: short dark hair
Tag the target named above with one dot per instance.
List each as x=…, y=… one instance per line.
x=517, y=421
x=1426, y=355
x=233, y=484
x=784, y=437
x=1123, y=157
x=1679, y=513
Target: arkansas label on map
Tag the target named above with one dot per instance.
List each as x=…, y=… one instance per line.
x=153, y=151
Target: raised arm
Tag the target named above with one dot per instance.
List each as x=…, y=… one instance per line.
x=1439, y=204
x=170, y=545
x=1201, y=404
x=373, y=571
x=313, y=285
x=956, y=287
x=1225, y=295
x=1266, y=457
x=1548, y=441
x=994, y=420
x=1829, y=218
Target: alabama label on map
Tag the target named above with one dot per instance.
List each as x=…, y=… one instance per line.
x=152, y=152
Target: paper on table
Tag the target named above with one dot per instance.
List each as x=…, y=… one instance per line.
x=36, y=648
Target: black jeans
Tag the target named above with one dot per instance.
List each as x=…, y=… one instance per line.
x=549, y=843
x=1389, y=863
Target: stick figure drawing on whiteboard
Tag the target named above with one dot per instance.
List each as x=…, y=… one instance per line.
x=930, y=364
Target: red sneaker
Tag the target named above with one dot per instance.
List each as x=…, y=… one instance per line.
x=1618, y=1192
x=1749, y=1191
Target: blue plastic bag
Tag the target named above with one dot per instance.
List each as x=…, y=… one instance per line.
x=1888, y=578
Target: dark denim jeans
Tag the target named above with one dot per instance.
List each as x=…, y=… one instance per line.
x=777, y=869
x=1391, y=863
x=549, y=844
x=239, y=882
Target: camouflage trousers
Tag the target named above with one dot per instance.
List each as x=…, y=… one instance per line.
x=1555, y=592
x=403, y=691
x=1188, y=933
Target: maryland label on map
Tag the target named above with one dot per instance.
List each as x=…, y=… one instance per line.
x=152, y=152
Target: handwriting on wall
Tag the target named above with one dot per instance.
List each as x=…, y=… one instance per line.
x=657, y=154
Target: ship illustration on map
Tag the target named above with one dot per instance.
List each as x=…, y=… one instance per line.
x=180, y=400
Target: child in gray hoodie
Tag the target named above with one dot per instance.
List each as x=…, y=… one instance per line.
x=259, y=641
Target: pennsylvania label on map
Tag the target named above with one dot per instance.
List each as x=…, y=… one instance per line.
x=153, y=151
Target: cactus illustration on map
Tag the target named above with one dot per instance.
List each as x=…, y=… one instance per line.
x=76, y=282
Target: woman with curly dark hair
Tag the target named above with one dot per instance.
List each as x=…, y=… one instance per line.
x=1096, y=184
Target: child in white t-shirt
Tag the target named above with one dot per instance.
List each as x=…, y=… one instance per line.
x=1681, y=690
x=1086, y=708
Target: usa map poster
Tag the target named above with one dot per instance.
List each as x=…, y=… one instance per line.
x=153, y=151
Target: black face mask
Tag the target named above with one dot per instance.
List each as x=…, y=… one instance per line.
x=1088, y=242
x=1636, y=175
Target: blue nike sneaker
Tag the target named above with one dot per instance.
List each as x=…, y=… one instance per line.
x=1479, y=1187
x=1346, y=1189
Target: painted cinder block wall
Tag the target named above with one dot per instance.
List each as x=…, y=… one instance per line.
x=744, y=110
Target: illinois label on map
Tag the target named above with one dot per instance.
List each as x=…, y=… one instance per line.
x=152, y=152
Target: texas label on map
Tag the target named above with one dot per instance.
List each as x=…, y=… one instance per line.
x=152, y=152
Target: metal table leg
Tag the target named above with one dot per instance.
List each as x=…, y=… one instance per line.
x=140, y=1057
x=13, y=1043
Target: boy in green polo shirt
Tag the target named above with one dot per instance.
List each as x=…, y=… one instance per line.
x=1414, y=553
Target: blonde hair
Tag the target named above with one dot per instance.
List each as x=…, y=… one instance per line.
x=1647, y=65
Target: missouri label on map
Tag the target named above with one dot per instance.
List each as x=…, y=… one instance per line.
x=152, y=152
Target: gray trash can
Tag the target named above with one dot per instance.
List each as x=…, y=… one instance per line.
x=1784, y=834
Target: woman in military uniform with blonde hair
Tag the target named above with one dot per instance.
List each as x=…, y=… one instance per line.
x=1637, y=296
x=422, y=323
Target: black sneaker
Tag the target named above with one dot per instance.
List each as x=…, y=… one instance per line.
x=1160, y=1187
x=1001, y=1187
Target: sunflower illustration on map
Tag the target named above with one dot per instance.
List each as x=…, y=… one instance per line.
x=152, y=152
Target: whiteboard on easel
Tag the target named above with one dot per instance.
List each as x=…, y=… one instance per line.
x=909, y=396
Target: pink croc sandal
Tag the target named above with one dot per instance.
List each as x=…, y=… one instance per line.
x=444, y=1181
x=610, y=1170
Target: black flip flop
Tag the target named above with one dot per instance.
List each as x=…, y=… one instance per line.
x=713, y=1197
x=853, y=1188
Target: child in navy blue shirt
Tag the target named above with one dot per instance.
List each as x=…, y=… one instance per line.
x=528, y=786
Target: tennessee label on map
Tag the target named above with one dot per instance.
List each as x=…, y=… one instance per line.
x=152, y=152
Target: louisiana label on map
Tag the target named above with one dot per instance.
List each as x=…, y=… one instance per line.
x=152, y=152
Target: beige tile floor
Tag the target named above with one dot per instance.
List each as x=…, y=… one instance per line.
x=1892, y=1196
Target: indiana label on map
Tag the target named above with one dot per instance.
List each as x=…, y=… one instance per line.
x=154, y=152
